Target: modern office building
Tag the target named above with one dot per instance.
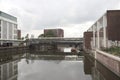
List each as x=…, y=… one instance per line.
x=105, y=32
x=54, y=32
x=8, y=27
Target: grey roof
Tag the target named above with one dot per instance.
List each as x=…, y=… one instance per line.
x=5, y=15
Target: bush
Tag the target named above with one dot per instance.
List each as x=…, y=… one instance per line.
x=113, y=50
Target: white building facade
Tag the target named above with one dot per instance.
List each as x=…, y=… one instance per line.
x=9, y=71
x=8, y=27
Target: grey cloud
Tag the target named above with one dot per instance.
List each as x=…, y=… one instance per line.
x=38, y=14
x=72, y=12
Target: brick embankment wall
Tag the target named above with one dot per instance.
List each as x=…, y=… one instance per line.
x=12, y=50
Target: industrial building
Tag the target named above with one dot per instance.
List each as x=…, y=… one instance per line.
x=105, y=32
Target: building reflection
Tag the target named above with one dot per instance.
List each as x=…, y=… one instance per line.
x=9, y=67
x=31, y=56
x=9, y=71
x=98, y=71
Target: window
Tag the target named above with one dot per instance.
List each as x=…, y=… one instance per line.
x=0, y=22
x=15, y=26
x=0, y=25
x=15, y=37
x=15, y=31
x=0, y=35
x=0, y=28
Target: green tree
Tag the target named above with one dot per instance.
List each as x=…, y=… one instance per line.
x=22, y=38
x=41, y=35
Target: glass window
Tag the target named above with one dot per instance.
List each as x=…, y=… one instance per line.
x=0, y=28
x=15, y=26
x=4, y=30
x=15, y=37
x=15, y=31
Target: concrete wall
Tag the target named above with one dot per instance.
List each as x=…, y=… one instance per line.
x=110, y=61
x=106, y=30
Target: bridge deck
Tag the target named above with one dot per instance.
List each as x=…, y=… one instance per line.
x=53, y=53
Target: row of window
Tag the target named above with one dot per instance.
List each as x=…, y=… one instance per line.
x=9, y=29
x=15, y=36
x=102, y=22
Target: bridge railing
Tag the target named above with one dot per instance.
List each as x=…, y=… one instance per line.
x=70, y=38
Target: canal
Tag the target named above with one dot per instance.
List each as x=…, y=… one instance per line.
x=29, y=66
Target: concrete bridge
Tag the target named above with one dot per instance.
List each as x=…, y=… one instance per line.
x=55, y=53
x=55, y=42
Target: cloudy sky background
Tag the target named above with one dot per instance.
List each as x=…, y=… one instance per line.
x=74, y=16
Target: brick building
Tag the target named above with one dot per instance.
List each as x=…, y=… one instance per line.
x=55, y=32
x=19, y=34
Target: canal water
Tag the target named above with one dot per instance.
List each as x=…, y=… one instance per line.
x=44, y=67
x=51, y=70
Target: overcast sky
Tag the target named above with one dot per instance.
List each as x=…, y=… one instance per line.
x=74, y=16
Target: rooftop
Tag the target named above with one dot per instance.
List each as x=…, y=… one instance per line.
x=5, y=15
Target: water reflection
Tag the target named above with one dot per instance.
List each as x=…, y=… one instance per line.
x=9, y=71
x=97, y=70
x=52, y=70
x=45, y=67
x=67, y=49
x=9, y=67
